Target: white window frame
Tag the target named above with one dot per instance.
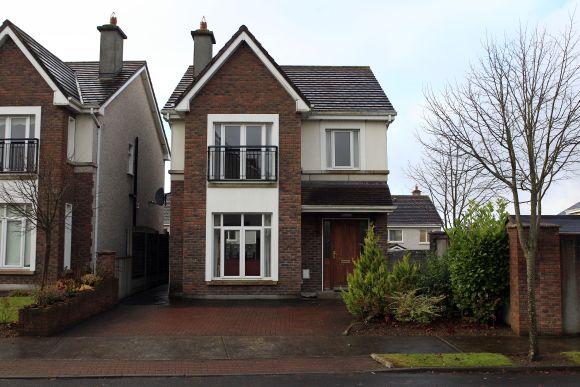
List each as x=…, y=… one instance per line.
x=131, y=159
x=331, y=125
x=68, y=224
x=396, y=229
x=242, y=242
x=4, y=219
x=426, y=242
x=351, y=132
x=70, y=145
x=35, y=111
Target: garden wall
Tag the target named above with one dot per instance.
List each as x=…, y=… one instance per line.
x=45, y=321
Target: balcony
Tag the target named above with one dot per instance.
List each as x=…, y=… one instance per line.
x=18, y=155
x=242, y=163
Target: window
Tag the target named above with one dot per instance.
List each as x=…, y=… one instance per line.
x=68, y=210
x=395, y=235
x=241, y=245
x=16, y=239
x=423, y=236
x=131, y=160
x=70, y=146
x=18, y=146
x=342, y=149
x=242, y=152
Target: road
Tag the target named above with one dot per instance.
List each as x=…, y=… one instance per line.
x=367, y=379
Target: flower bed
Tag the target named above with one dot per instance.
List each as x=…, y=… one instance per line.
x=37, y=320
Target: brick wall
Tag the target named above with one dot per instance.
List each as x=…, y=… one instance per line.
x=243, y=85
x=22, y=85
x=548, y=283
x=83, y=211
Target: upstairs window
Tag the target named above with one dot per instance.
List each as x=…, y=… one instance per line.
x=70, y=146
x=342, y=149
x=18, y=144
x=395, y=235
x=423, y=236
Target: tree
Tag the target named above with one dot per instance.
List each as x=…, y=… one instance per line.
x=451, y=179
x=517, y=115
x=40, y=200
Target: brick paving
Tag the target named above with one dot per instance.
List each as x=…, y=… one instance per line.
x=104, y=368
x=220, y=318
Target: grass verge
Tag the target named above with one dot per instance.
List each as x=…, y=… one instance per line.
x=573, y=356
x=9, y=307
x=417, y=360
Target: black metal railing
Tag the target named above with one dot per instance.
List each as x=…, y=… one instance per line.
x=18, y=155
x=248, y=163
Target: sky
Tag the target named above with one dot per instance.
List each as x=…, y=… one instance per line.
x=410, y=45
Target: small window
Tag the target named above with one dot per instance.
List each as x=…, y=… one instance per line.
x=72, y=127
x=395, y=235
x=131, y=161
x=423, y=236
x=342, y=149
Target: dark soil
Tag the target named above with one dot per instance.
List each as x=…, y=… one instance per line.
x=448, y=327
x=7, y=330
x=549, y=359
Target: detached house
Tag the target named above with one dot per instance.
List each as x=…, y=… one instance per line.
x=276, y=173
x=95, y=124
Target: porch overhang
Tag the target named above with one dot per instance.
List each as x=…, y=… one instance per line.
x=346, y=197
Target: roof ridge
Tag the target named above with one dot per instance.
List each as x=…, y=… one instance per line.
x=333, y=66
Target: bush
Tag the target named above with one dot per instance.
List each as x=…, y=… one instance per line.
x=49, y=295
x=479, y=261
x=85, y=288
x=404, y=276
x=68, y=286
x=434, y=280
x=368, y=286
x=410, y=306
x=91, y=279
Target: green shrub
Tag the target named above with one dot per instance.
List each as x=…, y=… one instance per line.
x=68, y=286
x=91, y=279
x=479, y=261
x=409, y=306
x=49, y=295
x=404, y=275
x=368, y=286
x=434, y=280
x=4, y=310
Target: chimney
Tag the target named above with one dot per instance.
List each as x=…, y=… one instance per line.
x=203, y=41
x=111, y=56
x=416, y=191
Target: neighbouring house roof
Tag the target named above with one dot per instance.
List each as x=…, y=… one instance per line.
x=322, y=193
x=575, y=208
x=326, y=89
x=340, y=89
x=569, y=224
x=414, y=210
x=96, y=91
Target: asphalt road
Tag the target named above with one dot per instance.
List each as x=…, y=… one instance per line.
x=368, y=379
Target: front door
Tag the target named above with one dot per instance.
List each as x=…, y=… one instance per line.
x=342, y=245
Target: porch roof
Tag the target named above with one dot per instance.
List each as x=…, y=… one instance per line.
x=364, y=195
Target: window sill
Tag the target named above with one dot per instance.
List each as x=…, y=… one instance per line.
x=241, y=282
x=243, y=184
x=16, y=272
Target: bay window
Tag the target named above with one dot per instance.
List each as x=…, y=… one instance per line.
x=342, y=149
x=241, y=245
x=16, y=239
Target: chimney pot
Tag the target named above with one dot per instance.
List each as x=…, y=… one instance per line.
x=416, y=191
x=203, y=24
x=113, y=19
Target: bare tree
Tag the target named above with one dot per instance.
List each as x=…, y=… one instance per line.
x=451, y=179
x=517, y=115
x=40, y=200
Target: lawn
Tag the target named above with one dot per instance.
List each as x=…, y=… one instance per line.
x=573, y=356
x=9, y=307
x=443, y=360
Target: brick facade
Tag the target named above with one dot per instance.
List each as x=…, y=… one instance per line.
x=243, y=85
x=548, y=283
x=22, y=85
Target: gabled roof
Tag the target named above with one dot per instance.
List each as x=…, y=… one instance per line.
x=340, y=89
x=96, y=91
x=573, y=208
x=243, y=35
x=414, y=210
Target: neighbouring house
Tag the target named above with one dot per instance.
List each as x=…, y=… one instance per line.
x=96, y=125
x=276, y=173
x=572, y=210
x=167, y=214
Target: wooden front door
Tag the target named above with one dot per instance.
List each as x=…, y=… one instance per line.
x=343, y=240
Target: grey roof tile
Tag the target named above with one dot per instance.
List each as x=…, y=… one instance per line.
x=184, y=83
x=414, y=209
x=346, y=193
x=569, y=224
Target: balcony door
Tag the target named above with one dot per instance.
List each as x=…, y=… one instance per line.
x=17, y=147
x=242, y=151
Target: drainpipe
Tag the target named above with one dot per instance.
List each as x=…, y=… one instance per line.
x=97, y=188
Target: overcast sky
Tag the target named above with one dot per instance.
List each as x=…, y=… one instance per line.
x=408, y=44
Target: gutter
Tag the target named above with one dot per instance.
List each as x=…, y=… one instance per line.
x=97, y=190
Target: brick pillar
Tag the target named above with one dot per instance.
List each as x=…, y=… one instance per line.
x=106, y=264
x=548, y=283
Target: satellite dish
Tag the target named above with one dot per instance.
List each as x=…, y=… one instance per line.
x=160, y=197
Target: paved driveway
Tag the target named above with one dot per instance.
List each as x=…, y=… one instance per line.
x=150, y=314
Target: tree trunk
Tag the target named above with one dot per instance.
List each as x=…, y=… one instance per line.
x=47, y=249
x=534, y=352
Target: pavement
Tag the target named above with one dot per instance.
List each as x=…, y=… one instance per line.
x=148, y=335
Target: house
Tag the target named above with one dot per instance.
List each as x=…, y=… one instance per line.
x=95, y=125
x=572, y=210
x=276, y=172
x=411, y=224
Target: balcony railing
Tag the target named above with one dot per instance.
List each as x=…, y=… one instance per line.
x=242, y=163
x=18, y=155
